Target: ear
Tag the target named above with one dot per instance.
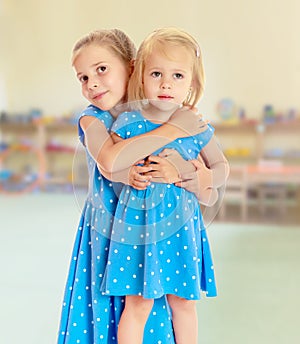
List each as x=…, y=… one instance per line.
x=190, y=91
x=193, y=84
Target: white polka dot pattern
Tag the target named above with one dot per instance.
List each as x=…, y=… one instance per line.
x=159, y=243
x=88, y=315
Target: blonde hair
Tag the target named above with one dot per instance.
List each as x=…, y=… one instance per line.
x=162, y=39
x=114, y=39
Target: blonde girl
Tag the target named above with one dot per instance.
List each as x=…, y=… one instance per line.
x=159, y=244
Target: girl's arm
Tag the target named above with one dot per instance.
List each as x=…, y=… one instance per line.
x=112, y=157
x=212, y=170
x=202, y=177
x=215, y=160
x=155, y=168
x=168, y=166
x=134, y=176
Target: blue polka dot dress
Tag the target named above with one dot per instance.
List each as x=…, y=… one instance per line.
x=159, y=243
x=88, y=315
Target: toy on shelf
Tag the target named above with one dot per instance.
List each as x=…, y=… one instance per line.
x=285, y=117
x=18, y=182
x=269, y=114
x=238, y=152
x=227, y=111
x=55, y=146
x=230, y=113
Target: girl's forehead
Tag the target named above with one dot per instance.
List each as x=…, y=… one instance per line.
x=94, y=53
x=169, y=50
x=94, y=49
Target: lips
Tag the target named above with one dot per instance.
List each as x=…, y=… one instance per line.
x=165, y=97
x=98, y=96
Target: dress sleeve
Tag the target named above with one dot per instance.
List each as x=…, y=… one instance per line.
x=128, y=124
x=103, y=116
x=206, y=136
x=119, y=126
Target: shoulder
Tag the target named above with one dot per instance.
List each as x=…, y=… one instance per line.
x=126, y=119
x=88, y=115
x=92, y=111
x=210, y=129
x=130, y=116
x=206, y=136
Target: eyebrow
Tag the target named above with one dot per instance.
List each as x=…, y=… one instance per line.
x=172, y=71
x=93, y=65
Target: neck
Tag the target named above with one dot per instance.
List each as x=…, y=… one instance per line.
x=157, y=115
x=116, y=110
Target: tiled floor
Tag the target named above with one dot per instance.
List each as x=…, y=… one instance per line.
x=257, y=269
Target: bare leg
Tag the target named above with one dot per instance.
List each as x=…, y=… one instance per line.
x=185, y=320
x=133, y=319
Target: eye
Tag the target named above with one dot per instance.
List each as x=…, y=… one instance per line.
x=83, y=79
x=101, y=69
x=156, y=74
x=178, y=76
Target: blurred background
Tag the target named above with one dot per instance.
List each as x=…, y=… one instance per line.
x=251, y=55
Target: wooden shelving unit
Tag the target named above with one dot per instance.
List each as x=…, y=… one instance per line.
x=265, y=167
x=45, y=151
x=64, y=159
x=253, y=142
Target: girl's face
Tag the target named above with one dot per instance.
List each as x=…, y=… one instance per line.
x=167, y=78
x=103, y=76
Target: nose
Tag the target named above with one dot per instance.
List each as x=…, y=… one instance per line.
x=165, y=86
x=93, y=83
x=165, y=83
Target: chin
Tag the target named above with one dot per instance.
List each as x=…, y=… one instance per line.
x=102, y=106
x=164, y=105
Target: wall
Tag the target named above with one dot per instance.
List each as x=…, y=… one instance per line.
x=251, y=50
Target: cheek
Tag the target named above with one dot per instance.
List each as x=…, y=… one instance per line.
x=84, y=92
x=121, y=89
x=148, y=90
x=121, y=83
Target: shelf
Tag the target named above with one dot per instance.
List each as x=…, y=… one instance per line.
x=260, y=140
x=278, y=126
x=50, y=127
x=243, y=143
x=20, y=127
x=52, y=140
x=248, y=127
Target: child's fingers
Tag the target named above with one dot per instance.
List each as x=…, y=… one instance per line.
x=139, y=181
x=139, y=185
x=189, y=108
x=154, y=174
x=154, y=158
x=180, y=184
x=140, y=162
x=142, y=178
x=142, y=169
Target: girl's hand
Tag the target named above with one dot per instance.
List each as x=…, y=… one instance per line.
x=162, y=170
x=187, y=122
x=200, y=183
x=138, y=177
x=175, y=158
